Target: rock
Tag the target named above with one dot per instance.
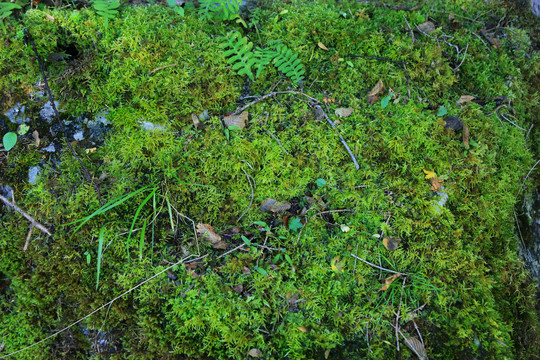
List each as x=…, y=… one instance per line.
x=453, y=123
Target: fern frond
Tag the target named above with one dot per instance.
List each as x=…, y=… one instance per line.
x=106, y=9
x=222, y=10
x=288, y=63
x=239, y=53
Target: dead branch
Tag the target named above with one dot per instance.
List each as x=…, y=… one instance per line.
x=25, y=214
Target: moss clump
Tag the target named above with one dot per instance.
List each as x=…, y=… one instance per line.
x=289, y=294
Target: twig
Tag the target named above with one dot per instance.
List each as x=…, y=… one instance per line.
x=194, y=228
x=103, y=306
x=410, y=29
x=399, y=313
x=60, y=122
x=252, y=195
x=279, y=142
x=462, y=60
x=317, y=214
x=341, y=138
x=272, y=94
x=526, y=177
x=270, y=248
x=28, y=237
x=230, y=251
x=418, y=332
x=28, y=217
x=528, y=132
x=408, y=343
x=161, y=68
x=482, y=40
x=376, y=266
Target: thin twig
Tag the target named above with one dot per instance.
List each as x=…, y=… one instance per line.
x=28, y=217
x=194, y=228
x=270, y=248
x=272, y=94
x=526, y=177
x=103, y=306
x=341, y=138
x=279, y=142
x=410, y=29
x=30, y=231
x=411, y=346
x=399, y=313
x=376, y=266
x=462, y=60
x=60, y=122
x=230, y=251
x=317, y=214
x=252, y=196
x=161, y=68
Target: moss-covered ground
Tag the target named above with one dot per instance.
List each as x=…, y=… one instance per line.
x=294, y=290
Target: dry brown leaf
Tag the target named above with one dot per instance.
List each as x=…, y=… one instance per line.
x=436, y=183
x=238, y=288
x=417, y=347
x=255, y=353
x=464, y=99
x=466, y=135
x=246, y=271
x=388, y=281
x=274, y=206
x=239, y=120
x=35, y=135
x=391, y=243
x=327, y=353
x=377, y=90
x=50, y=17
x=427, y=27
x=207, y=233
x=321, y=45
x=344, y=112
x=302, y=329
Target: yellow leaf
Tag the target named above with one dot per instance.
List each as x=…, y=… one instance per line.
x=388, y=281
x=429, y=174
x=302, y=329
x=321, y=45
x=336, y=265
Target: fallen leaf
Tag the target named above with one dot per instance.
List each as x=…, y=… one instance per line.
x=344, y=228
x=453, y=123
x=238, y=288
x=436, y=183
x=321, y=45
x=429, y=174
x=91, y=150
x=466, y=136
x=274, y=206
x=50, y=17
x=35, y=135
x=388, y=281
x=377, y=90
x=464, y=99
x=239, y=120
x=196, y=121
x=391, y=243
x=255, y=353
x=207, y=233
x=246, y=271
x=417, y=347
x=336, y=265
x=344, y=112
x=426, y=27
x=327, y=353
x=302, y=329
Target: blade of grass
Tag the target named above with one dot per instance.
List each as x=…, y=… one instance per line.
x=170, y=213
x=135, y=218
x=153, y=223
x=141, y=242
x=111, y=204
x=99, y=255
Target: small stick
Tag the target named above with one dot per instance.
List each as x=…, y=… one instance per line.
x=28, y=237
x=272, y=94
x=269, y=248
x=526, y=177
x=376, y=266
x=399, y=313
x=410, y=29
x=279, y=142
x=462, y=60
x=230, y=251
x=161, y=68
x=252, y=195
x=28, y=217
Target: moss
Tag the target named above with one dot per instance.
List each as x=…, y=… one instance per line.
x=465, y=288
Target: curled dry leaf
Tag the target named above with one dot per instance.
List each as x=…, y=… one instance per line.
x=426, y=27
x=302, y=329
x=255, y=353
x=196, y=121
x=321, y=45
x=50, y=17
x=436, y=183
x=464, y=99
x=239, y=120
x=344, y=112
x=466, y=135
x=238, y=288
x=417, y=347
x=373, y=94
x=388, y=281
x=275, y=206
x=391, y=243
x=207, y=233
x=35, y=135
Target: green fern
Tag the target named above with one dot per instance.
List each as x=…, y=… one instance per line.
x=289, y=63
x=107, y=9
x=6, y=9
x=240, y=54
x=220, y=10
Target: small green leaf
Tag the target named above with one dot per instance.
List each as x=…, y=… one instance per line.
x=246, y=240
x=23, y=129
x=261, y=271
x=295, y=224
x=88, y=257
x=350, y=64
x=385, y=100
x=263, y=224
x=9, y=140
x=321, y=182
x=288, y=258
x=234, y=127
x=442, y=111
x=473, y=143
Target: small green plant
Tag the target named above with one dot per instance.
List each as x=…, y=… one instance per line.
x=177, y=8
x=6, y=9
x=10, y=139
x=107, y=9
x=220, y=10
x=385, y=100
x=99, y=253
x=442, y=111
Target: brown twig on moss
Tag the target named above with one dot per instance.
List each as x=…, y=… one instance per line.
x=60, y=122
x=376, y=266
x=25, y=214
x=272, y=94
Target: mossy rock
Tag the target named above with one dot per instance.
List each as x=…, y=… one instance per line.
x=293, y=290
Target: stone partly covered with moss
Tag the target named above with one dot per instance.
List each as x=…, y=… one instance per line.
x=442, y=200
